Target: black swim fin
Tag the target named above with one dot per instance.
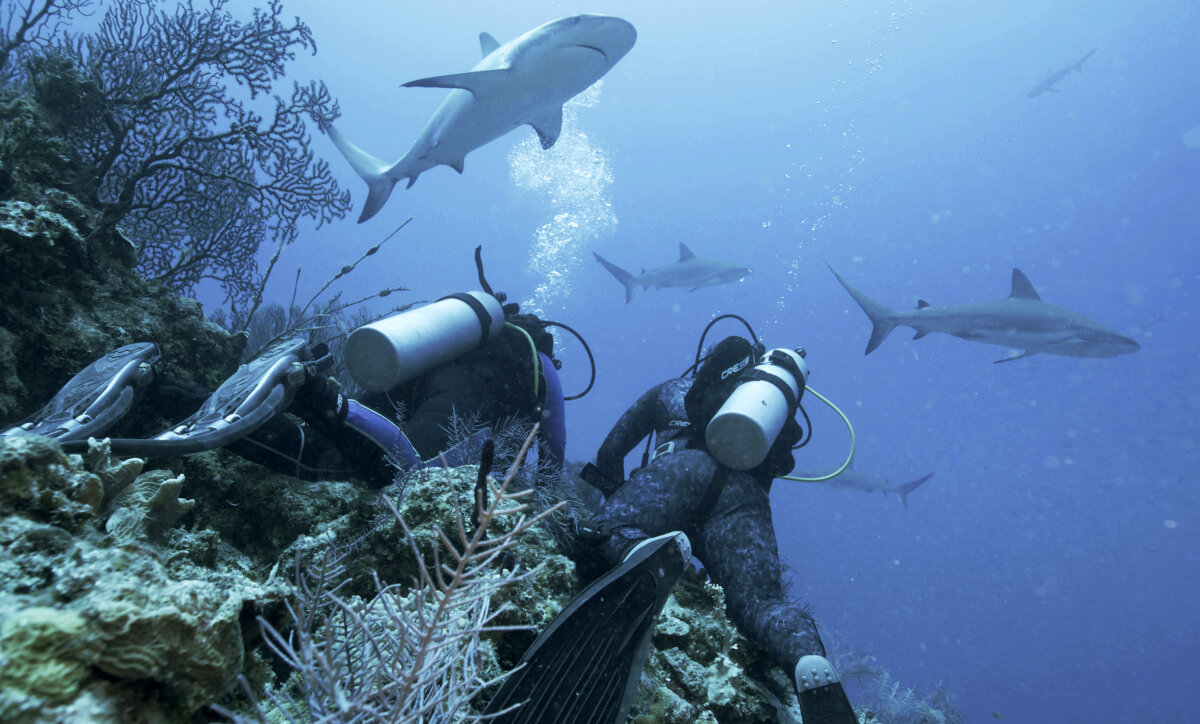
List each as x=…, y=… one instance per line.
x=822, y=698
x=586, y=665
x=96, y=397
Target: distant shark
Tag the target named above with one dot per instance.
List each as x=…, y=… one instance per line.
x=1048, y=83
x=524, y=81
x=689, y=271
x=851, y=479
x=1022, y=321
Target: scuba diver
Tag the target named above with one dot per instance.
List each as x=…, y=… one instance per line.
x=722, y=436
x=469, y=355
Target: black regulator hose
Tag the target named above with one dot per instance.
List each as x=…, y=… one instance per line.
x=591, y=359
x=758, y=346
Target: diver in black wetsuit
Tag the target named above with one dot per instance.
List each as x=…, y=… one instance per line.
x=466, y=355
x=324, y=433
x=725, y=513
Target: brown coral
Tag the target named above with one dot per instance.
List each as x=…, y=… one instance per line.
x=147, y=507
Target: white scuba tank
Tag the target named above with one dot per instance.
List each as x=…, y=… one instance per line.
x=393, y=350
x=742, y=432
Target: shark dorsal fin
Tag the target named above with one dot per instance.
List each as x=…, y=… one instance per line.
x=478, y=82
x=685, y=254
x=1021, y=288
x=921, y=304
x=548, y=127
x=487, y=44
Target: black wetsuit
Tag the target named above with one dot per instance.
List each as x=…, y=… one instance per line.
x=492, y=384
x=725, y=513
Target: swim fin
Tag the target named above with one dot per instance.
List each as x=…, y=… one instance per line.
x=256, y=392
x=586, y=665
x=822, y=698
x=96, y=397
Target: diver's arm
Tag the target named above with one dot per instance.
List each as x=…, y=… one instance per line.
x=636, y=423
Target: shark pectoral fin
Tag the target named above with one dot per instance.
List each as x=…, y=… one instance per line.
x=548, y=127
x=479, y=82
x=487, y=44
x=457, y=164
x=1023, y=355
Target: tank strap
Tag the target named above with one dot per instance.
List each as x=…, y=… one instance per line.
x=485, y=319
x=757, y=374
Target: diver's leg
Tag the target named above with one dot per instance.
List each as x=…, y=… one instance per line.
x=737, y=545
x=664, y=496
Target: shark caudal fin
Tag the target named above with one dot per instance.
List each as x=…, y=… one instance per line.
x=903, y=491
x=378, y=175
x=882, y=318
x=1079, y=66
x=622, y=276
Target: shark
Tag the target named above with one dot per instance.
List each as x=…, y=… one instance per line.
x=690, y=271
x=1048, y=83
x=1021, y=321
x=525, y=81
x=851, y=479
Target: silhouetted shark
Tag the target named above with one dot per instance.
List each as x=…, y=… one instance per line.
x=1022, y=321
x=524, y=81
x=1047, y=84
x=851, y=479
x=689, y=271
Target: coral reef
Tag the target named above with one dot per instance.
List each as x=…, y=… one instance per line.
x=96, y=621
x=156, y=140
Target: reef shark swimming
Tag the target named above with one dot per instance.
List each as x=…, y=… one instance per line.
x=851, y=479
x=1048, y=83
x=690, y=271
x=525, y=81
x=1022, y=321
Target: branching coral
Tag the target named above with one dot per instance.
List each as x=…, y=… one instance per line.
x=412, y=652
x=195, y=176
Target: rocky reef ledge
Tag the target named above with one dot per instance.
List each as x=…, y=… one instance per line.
x=122, y=600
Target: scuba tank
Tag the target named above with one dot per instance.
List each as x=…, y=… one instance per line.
x=742, y=432
x=395, y=349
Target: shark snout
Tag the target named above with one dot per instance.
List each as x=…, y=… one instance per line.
x=610, y=35
x=1128, y=346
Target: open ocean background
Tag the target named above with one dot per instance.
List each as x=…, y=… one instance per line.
x=1047, y=572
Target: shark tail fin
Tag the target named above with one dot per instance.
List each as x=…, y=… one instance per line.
x=622, y=276
x=1079, y=66
x=882, y=318
x=378, y=175
x=903, y=491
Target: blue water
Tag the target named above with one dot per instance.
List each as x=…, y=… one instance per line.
x=1046, y=572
